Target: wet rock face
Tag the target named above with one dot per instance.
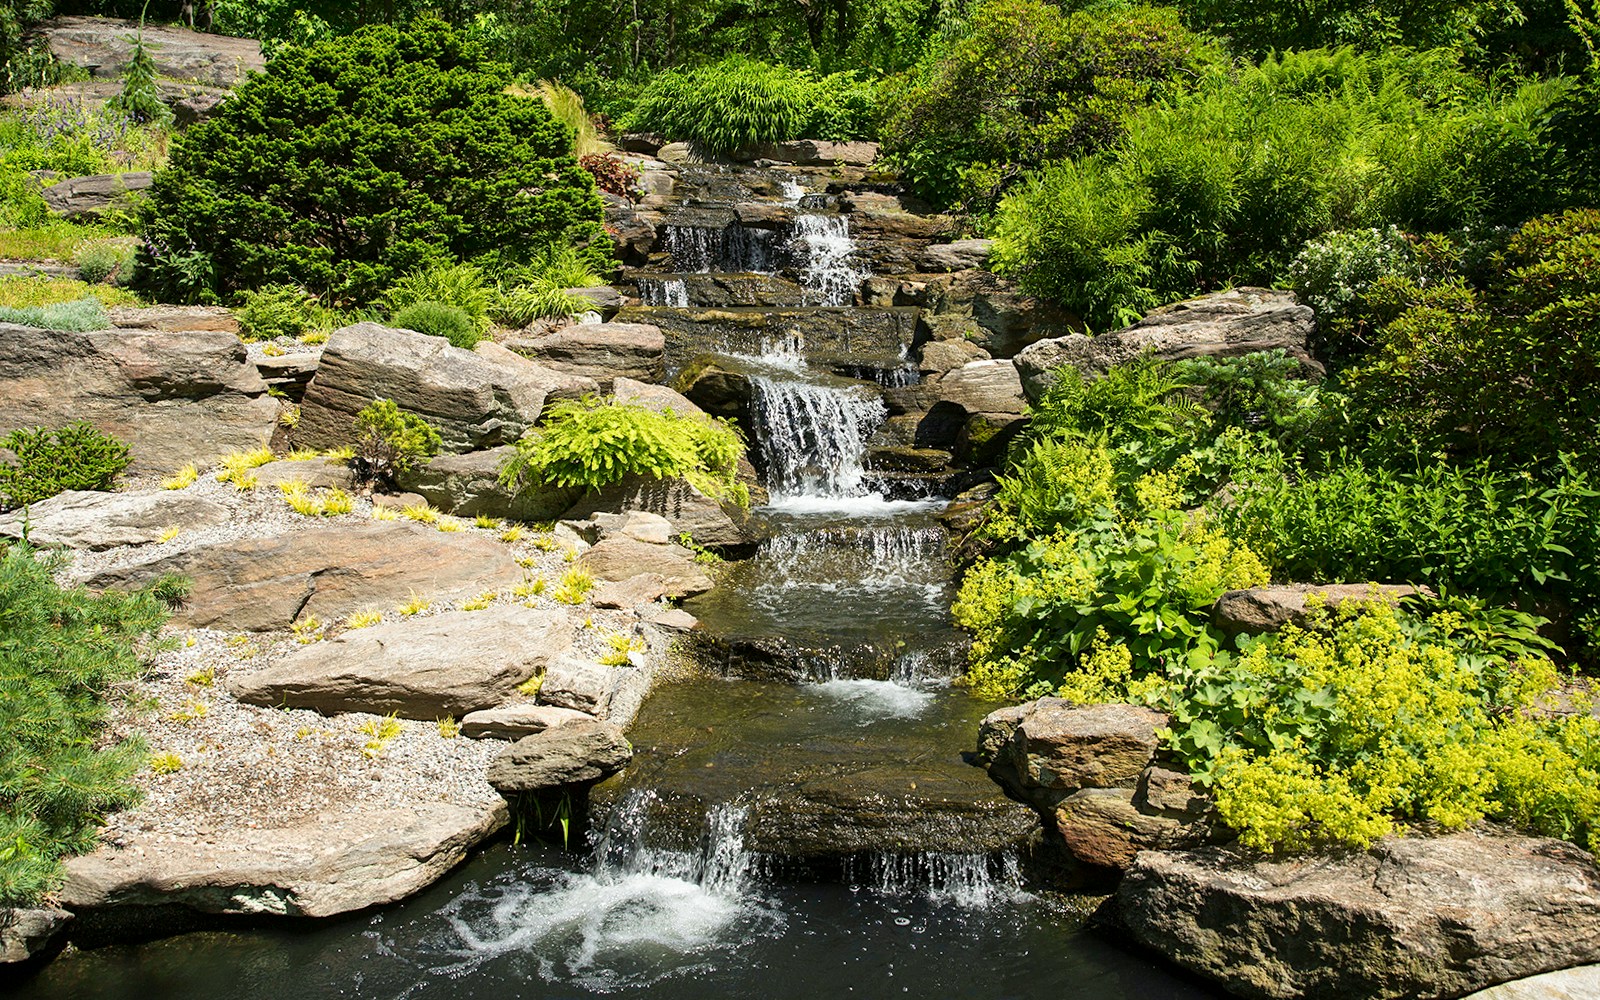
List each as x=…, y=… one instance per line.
x=25, y=934
x=1415, y=917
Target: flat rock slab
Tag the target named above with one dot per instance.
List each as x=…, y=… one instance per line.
x=84, y=197
x=258, y=584
x=174, y=319
x=610, y=693
x=338, y=862
x=623, y=558
x=1415, y=917
x=105, y=47
x=513, y=722
x=579, y=753
x=1582, y=983
x=422, y=668
x=601, y=351
x=85, y=519
x=172, y=397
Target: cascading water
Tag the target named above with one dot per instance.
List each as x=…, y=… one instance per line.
x=829, y=271
x=672, y=292
x=813, y=437
x=702, y=249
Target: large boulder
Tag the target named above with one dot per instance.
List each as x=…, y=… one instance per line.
x=1260, y=610
x=25, y=934
x=104, y=47
x=476, y=399
x=469, y=485
x=1415, y=917
x=601, y=351
x=1582, y=983
x=578, y=753
x=86, y=197
x=1224, y=324
x=421, y=668
x=83, y=519
x=653, y=397
x=336, y=862
x=265, y=583
x=174, y=319
x=984, y=387
x=172, y=397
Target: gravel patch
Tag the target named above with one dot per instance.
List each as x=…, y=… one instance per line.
x=217, y=765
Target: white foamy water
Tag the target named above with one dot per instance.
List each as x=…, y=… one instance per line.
x=867, y=505
x=830, y=273
x=664, y=292
x=639, y=915
x=968, y=881
x=876, y=699
x=791, y=190
x=814, y=436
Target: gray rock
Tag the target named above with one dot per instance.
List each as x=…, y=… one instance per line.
x=714, y=389
x=81, y=519
x=579, y=753
x=476, y=399
x=173, y=398
x=601, y=351
x=644, y=589
x=338, y=862
x=585, y=686
x=469, y=485
x=641, y=142
x=196, y=108
x=618, y=559
x=986, y=387
x=676, y=620
x=26, y=933
x=1104, y=827
x=941, y=356
x=958, y=256
x=258, y=584
x=808, y=153
x=680, y=154
x=174, y=319
x=421, y=668
x=603, y=299
x=1260, y=610
x=86, y=197
x=654, y=397
x=1582, y=983
x=318, y=473
x=1224, y=324
x=1056, y=748
x=986, y=309
x=1414, y=917
x=718, y=524
x=104, y=46
x=513, y=722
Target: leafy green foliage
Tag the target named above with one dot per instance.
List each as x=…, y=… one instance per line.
x=60, y=651
x=276, y=311
x=436, y=319
x=1022, y=82
x=105, y=261
x=739, y=101
x=593, y=443
x=1228, y=184
x=354, y=161
x=74, y=457
x=538, y=289
x=1508, y=369
x=459, y=287
x=567, y=105
x=78, y=316
x=390, y=440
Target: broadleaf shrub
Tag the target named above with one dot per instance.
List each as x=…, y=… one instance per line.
x=351, y=162
x=593, y=443
x=74, y=457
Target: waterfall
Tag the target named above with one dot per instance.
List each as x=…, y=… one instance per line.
x=664, y=292
x=830, y=273
x=701, y=249
x=791, y=190
x=813, y=437
x=971, y=881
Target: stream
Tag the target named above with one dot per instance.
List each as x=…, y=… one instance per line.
x=804, y=826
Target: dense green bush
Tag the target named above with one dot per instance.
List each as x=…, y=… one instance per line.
x=461, y=287
x=390, y=440
x=105, y=261
x=594, y=443
x=436, y=319
x=1229, y=183
x=1023, y=82
x=1508, y=369
x=60, y=652
x=276, y=311
x=352, y=162
x=74, y=457
x=739, y=101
